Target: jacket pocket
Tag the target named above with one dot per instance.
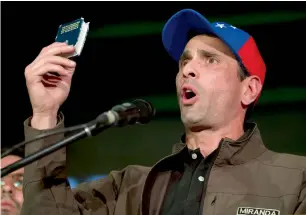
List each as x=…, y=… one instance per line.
x=248, y=204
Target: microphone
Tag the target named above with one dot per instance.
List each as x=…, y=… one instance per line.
x=138, y=111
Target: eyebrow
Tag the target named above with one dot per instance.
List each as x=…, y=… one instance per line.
x=203, y=53
x=185, y=55
x=18, y=175
x=207, y=53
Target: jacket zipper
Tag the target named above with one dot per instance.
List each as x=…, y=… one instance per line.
x=207, y=177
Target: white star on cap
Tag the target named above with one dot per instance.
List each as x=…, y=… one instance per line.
x=233, y=27
x=220, y=25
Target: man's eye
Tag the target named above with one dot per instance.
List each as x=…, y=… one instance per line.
x=183, y=63
x=212, y=60
x=18, y=183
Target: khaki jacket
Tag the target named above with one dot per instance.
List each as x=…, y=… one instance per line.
x=246, y=178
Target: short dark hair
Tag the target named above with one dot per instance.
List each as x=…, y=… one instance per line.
x=17, y=152
x=242, y=71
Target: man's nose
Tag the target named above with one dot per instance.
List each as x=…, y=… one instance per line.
x=189, y=70
x=7, y=186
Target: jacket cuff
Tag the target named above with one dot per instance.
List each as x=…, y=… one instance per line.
x=30, y=132
x=46, y=165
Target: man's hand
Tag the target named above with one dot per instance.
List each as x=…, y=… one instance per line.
x=48, y=91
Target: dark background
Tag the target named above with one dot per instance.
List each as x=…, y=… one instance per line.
x=113, y=69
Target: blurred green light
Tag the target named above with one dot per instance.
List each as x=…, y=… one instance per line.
x=151, y=28
x=169, y=103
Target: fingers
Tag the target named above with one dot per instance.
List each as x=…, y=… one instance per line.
x=55, y=44
x=51, y=77
x=56, y=49
x=33, y=74
x=50, y=80
x=63, y=82
x=49, y=67
x=49, y=61
x=65, y=62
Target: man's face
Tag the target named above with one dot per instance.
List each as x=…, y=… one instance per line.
x=208, y=68
x=11, y=188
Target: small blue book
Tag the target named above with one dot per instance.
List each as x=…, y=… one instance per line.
x=73, y=33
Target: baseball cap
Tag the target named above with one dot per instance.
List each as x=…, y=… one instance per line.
x=175, y=37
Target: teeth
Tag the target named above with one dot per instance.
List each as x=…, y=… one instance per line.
x=188, y=93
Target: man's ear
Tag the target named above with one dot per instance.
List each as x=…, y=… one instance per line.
x=251, y=88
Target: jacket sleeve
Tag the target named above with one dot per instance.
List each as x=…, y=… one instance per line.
x=301, y=207
x=46, y=188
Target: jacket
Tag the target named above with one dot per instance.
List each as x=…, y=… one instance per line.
x=246, y=178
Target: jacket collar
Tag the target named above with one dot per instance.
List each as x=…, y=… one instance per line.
x=230, y=152
x=234, y=152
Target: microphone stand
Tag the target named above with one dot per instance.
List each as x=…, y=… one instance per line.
x=136, y=112
x=90, y=130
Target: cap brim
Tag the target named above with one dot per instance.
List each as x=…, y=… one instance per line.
x=176, y=30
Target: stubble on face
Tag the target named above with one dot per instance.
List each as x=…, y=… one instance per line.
x=216, y=83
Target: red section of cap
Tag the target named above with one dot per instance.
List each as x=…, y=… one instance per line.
x=252, y=60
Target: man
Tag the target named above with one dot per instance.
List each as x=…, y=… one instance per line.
x=11, y=185
x=220, y=167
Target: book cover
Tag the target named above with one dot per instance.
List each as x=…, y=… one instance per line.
x=73, y=33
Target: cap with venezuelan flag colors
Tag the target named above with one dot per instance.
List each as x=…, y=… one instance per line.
x=175, y=37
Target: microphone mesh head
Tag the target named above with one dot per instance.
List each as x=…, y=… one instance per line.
x=146, y=110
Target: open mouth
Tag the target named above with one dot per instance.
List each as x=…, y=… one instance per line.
x=188, y=93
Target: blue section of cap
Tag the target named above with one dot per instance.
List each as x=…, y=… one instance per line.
x=175, y=32
x=231, y=35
